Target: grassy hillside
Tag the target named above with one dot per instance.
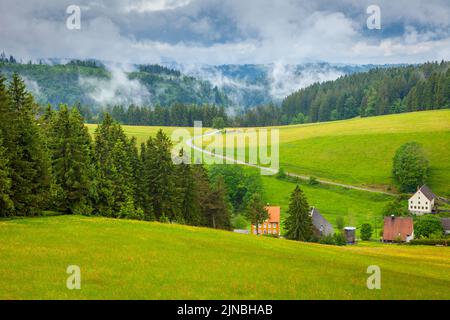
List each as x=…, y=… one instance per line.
x=360, y=151
x=139, y=260
x=356, y=207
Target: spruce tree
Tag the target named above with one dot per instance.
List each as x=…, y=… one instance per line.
x=187, y=189
x=28, y=158
x=6, y=205
x=298, y=224
x=160, y=177
x=71, y=154
x=216, y=207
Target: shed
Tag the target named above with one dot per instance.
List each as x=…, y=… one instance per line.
x=350, y=234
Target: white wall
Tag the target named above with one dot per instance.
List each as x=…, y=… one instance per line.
x=419, y=204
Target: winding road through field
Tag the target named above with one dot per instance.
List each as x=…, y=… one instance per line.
x=192, y=145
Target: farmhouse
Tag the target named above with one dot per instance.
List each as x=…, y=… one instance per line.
x=398, y=229
x=321, y=226
x=271, y=225
x=422, y=202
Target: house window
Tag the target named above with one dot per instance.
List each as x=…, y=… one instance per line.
x=270, y=231
x=265, y=232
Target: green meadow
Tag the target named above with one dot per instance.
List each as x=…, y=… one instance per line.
x=140, y=260
x=360, y=151
x=356, y=207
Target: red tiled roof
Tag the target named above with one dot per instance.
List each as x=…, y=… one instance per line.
x=395, y=227
x=274, y=214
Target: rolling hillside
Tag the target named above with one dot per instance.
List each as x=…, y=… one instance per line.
x=359, y=151
x=140, y=260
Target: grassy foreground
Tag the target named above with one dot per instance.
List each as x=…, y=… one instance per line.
x=139, y=260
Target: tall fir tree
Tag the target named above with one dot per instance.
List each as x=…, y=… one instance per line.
x=6, y=205
x=217, y=207
x=298, y=224
x=188, y=191
x=71, y=154
x=160, y=177
x=28, y=157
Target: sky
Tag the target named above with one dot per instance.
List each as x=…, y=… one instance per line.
x=228, y=31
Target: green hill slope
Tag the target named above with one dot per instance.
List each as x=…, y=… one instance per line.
x=360, y=151
x=138, y=260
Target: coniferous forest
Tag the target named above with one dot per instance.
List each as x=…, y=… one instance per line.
x=49, y=162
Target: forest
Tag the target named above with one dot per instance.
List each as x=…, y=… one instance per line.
x=379, y=91
x=49, y=162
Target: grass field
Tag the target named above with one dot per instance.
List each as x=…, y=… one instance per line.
x=356, y=207
x=360, y=151
x=139, y=260
x=357, y=151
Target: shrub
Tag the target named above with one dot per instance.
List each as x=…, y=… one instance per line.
x=339, y=239
x=313, y=181
x=327, y=240
x=425, y=226
x=430, y=242
x=281, y=174
x=239, y=222
x=366, y=231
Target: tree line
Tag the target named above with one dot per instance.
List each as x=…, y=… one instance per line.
x=380, y=91
x=178, y=114
x=49, y=161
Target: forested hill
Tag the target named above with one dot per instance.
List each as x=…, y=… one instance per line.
x=91, y=84
x=377, y=92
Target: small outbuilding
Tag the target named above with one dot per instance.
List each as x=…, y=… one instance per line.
x=350, y=234
x=446, y=225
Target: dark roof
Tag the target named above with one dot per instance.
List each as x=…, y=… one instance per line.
x=320, y=223
x=427, y=192
x=395, y=227
x=445, y=224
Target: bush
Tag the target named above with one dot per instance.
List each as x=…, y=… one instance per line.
x=281, y=174
x=366, y=231
x=430, y=242
x=239, y=222
x=426, y=226
x=313, y=181
x=397, y=207
x=339, y=239
x=327, y=240
x=82, y=209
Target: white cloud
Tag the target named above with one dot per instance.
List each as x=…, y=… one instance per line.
x=116, y=90
x=154, y=5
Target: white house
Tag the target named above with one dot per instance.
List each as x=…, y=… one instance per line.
x=422, y=202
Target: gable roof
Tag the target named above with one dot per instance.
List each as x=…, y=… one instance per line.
x=427, y=192
x=320, y=223
x=445, y=224
x=397, y=226
x=274, y=214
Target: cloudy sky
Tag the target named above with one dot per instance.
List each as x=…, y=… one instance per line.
x=228, y=31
